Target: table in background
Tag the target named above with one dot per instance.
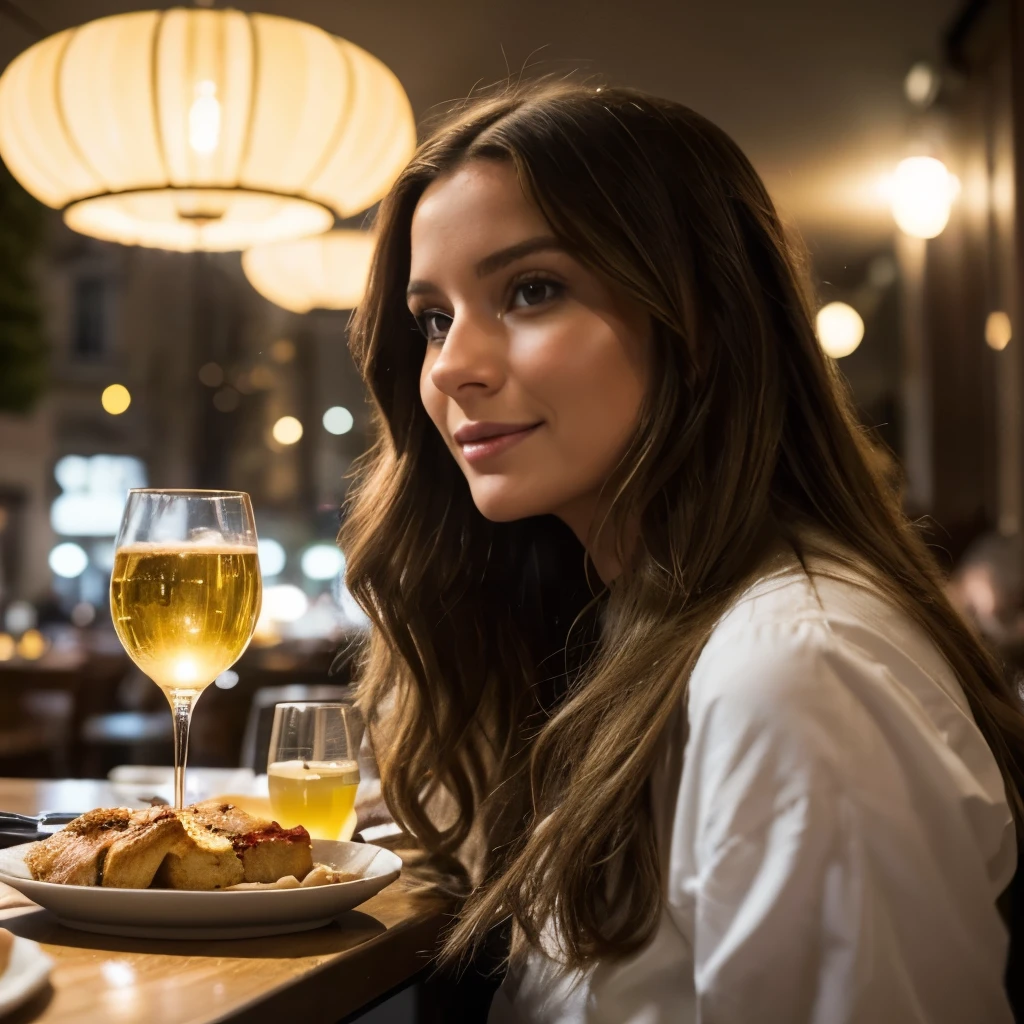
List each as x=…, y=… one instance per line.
x=318, y=977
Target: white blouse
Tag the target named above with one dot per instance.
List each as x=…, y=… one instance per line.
x=832, y=845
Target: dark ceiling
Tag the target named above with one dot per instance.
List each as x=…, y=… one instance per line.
x=812, y=89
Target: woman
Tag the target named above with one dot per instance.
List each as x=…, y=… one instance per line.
x=764, y=772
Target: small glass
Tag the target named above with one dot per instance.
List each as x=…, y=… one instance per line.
x=313, y=767
x=185, y=594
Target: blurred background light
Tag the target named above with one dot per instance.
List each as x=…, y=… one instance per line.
x=207, y=161
x=227, y=680
x=287, y=430
x=32, y=645
x=20, y=615
x=68, y=560
x=94, y=489
x=115, y=399
x=83, y=614
x=7, y=647
x=284, y=602
x=322, y=562
x=840, y=329
x=282, y=351
x=327, y=271
x=272, y=556
x=921, y=193
x=998, y=330
x=338, y=420
x=211, y=375
x=921, y=86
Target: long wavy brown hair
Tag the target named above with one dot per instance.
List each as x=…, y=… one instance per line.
x=475, y=684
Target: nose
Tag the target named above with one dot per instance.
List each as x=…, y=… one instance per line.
x=471, y=357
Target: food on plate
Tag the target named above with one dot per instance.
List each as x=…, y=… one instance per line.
x=6, y=945
x=320, y=875
x=210, y=845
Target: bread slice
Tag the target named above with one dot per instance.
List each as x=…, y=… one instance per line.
x=211, y=845
x=267, y=851
x=75, y=855
x=206, y=860
x=134, y=858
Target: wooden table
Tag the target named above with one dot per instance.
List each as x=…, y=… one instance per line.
x=319, y=976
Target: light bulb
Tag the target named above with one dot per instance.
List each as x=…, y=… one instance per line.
x=204, y=119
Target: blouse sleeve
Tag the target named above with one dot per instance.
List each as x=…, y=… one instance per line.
x=823, y=847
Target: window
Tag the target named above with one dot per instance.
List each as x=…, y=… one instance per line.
x=89, y=323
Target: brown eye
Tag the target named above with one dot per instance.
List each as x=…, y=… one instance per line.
x=536, y=292
x=434, y=324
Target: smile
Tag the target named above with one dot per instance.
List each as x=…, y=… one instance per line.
x=488, y=447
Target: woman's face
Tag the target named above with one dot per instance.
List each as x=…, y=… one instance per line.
x=535, y=367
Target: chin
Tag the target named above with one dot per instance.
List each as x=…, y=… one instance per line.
x=507, y=502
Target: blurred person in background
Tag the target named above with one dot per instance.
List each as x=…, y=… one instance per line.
x=658, y=671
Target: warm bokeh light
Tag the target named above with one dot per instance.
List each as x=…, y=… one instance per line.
x=32, y=645
x=7, y=646
x=282, y=351
x=328, y=271
x=202, y=129
x=840, y=329
x=287, y=430
x=998, y=330
x=211, y=374
x=921, y=85
x=338, y=420
x=115, y=399
x=68, y=560
x=921, y=193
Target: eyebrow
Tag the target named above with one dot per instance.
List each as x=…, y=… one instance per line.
x=497, y=260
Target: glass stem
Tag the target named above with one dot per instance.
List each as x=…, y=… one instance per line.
x=182, y=702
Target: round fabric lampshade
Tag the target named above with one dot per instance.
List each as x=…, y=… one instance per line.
x=202, y=129
x=328, y=271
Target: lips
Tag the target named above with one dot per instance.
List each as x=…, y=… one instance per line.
x=488, y=443
x=484, y=430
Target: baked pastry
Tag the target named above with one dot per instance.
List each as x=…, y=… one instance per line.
x=211, y=845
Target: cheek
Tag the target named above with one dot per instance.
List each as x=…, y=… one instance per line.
x=432, y=399
x=594, y=386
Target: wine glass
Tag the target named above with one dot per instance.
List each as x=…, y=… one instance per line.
x=313, y=767
x=185, y=594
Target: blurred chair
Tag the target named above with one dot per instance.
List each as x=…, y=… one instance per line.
x=133, y=726
x=125, y=737
x=36, y=732
x=261, y=716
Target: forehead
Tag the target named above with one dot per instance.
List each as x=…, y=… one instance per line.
x=473, y=211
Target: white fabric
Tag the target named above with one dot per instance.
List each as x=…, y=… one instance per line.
x=833, y=845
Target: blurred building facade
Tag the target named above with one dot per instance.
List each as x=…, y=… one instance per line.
x=210, y=367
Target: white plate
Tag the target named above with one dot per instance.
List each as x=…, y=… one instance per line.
x=26, y=974
x=176, y=914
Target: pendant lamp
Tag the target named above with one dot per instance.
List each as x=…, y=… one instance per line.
x=327, y=271
x=202, y=129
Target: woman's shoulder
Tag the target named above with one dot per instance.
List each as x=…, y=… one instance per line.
x=805, y=636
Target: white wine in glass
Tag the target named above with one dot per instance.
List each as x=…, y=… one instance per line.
x=185, y=594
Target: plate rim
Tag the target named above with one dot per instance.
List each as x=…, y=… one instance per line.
x=14, y=880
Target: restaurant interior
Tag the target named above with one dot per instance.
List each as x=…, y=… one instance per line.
x=192, y=335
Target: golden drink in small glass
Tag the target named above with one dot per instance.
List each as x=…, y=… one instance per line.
x=320, y=795
x=313, y=768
